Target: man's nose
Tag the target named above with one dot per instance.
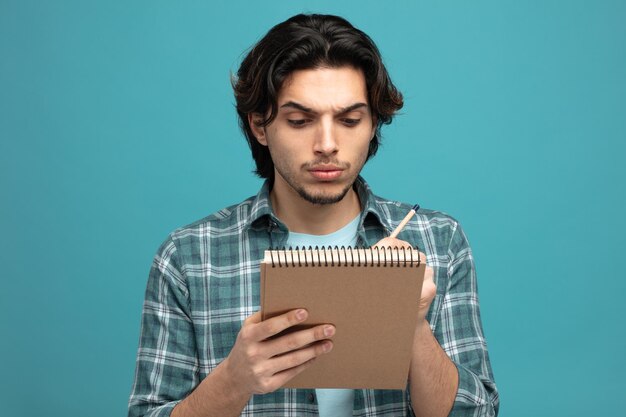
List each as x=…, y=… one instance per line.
x=326, y=140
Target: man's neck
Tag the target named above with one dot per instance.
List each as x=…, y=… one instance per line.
x=301, y=216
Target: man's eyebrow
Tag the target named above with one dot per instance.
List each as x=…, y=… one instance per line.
x=352, y=107
x=305, y=109
x=298, y=106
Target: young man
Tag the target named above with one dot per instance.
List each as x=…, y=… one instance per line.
x=311, y=96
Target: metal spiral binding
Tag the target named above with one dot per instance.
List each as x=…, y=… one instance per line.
x=303, y=256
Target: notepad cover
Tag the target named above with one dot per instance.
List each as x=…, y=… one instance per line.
x=373, y=307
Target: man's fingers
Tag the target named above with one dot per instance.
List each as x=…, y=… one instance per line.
x=298, y=357
x=285, y=376
x=299, y=339
x=253, y=318
x=281, y=378
x=392, y=242
x=429, y=274
x=271, y=327
x=429, y=289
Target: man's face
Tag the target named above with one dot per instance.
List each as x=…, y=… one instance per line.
x=320, y=138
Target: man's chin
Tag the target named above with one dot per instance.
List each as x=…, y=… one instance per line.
x=323, y=198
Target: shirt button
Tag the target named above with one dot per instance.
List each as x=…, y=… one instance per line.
x=311, y=398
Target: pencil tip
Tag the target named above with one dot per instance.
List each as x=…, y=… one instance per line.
x=416, y=207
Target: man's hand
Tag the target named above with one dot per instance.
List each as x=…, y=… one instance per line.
x=433, y=378
x=428, y=287
x=257, y=365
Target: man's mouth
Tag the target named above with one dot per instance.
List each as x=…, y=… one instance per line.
x=329, y=172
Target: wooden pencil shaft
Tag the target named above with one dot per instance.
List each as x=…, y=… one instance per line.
x=403, y=223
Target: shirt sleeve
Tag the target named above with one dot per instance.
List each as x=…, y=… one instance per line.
x=459, y=331
x=167, y=364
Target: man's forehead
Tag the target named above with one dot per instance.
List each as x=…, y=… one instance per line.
x=333, y=88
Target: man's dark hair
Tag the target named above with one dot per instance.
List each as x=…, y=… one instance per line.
x=305, y=42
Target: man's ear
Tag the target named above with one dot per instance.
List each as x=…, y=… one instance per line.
x=254, y=120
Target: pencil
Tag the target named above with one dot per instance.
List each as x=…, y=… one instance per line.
x=404, y=221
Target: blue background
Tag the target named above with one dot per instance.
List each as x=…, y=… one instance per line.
x=117, y=125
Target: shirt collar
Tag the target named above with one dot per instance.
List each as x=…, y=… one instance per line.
x=371, y=210
x=261, y=213
x=261, y=209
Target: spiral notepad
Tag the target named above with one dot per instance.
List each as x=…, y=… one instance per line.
x=371, y=295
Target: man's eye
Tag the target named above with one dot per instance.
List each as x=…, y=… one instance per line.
x=297, y=122
x=351, y=122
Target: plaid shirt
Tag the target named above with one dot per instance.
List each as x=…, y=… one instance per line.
x=204, y=282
